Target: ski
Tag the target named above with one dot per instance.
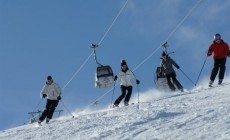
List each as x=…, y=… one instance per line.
x=218, y=85
x=41, y=124
x=121, y=106
x=127, y=105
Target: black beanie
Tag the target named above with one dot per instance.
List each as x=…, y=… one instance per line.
x=164, y=54
x=123, y=62
x=49, y=77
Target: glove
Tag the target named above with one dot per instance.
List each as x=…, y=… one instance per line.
x=209, y=53
x=44, y=95
x=161, y=74
x=115, y=78
x=228, y=54
x=138, y=82
x=59, y=98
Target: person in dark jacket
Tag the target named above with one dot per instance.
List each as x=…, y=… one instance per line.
x=126, y=77
x=166, y=67
x=52, y=92
x=220, y=51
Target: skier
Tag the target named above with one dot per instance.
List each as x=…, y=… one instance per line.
x=53, y=93
x=220, y=49
x=166, y=67
x=126, y=76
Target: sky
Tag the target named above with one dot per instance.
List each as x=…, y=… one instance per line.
x=41, y=38
x=199, y=113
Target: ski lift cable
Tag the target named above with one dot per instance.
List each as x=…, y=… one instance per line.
x=148, y=57
x=107, y=31
x=78, y=70
x=170, y=35
x=74, y=75
x=98, y=44
x=87, y=59
x=115, y=19
x=101, y=97
x=112, y=89
x=37, y=106
x=182, y=21
x=103, y=37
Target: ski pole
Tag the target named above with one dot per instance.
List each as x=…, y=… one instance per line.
x=138, y=95
x=37, y=105
x=201, y=70
x=187, y=77
x=113, y=93
x=67, y=109
x=137, y=88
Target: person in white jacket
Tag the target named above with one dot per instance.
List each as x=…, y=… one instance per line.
x=126, y=77
x=52, y=92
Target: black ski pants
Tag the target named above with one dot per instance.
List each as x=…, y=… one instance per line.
x=218, y=64
x=124, y=95
x=49, y=110
x=174, y=80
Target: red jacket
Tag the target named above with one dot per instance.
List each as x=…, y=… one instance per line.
x=220, y=50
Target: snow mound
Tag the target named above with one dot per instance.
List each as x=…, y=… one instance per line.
x=202, y=113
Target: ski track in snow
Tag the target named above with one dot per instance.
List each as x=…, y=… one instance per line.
x=201, y=113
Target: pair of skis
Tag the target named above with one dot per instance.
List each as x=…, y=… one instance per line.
x=222, y=84
x=112, y=106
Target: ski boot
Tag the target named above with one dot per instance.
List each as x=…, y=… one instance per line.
x=47, y=120
x=220, y=81
x=210, y=83
x=115, y=105
x=39, y=122
x=126, y=103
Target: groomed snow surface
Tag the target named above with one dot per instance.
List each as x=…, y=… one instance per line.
x=199, y=114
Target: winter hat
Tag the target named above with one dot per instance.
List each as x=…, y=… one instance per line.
x=217, y=36
x=123, y=62
x=164, y=54
x=49, y=77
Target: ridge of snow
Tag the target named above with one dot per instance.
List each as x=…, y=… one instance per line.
x=202, y=113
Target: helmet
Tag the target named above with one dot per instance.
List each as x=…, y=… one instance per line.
x=217, y=36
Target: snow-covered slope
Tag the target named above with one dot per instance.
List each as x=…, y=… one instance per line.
x=194, y=115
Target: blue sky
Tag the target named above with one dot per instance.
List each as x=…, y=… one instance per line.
x=40, y=38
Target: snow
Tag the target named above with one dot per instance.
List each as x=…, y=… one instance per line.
x=198, y=114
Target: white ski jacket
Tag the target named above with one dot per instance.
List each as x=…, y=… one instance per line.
x=52, y=91
x=126, y=78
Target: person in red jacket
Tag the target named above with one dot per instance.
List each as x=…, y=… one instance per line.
x=220, y=51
